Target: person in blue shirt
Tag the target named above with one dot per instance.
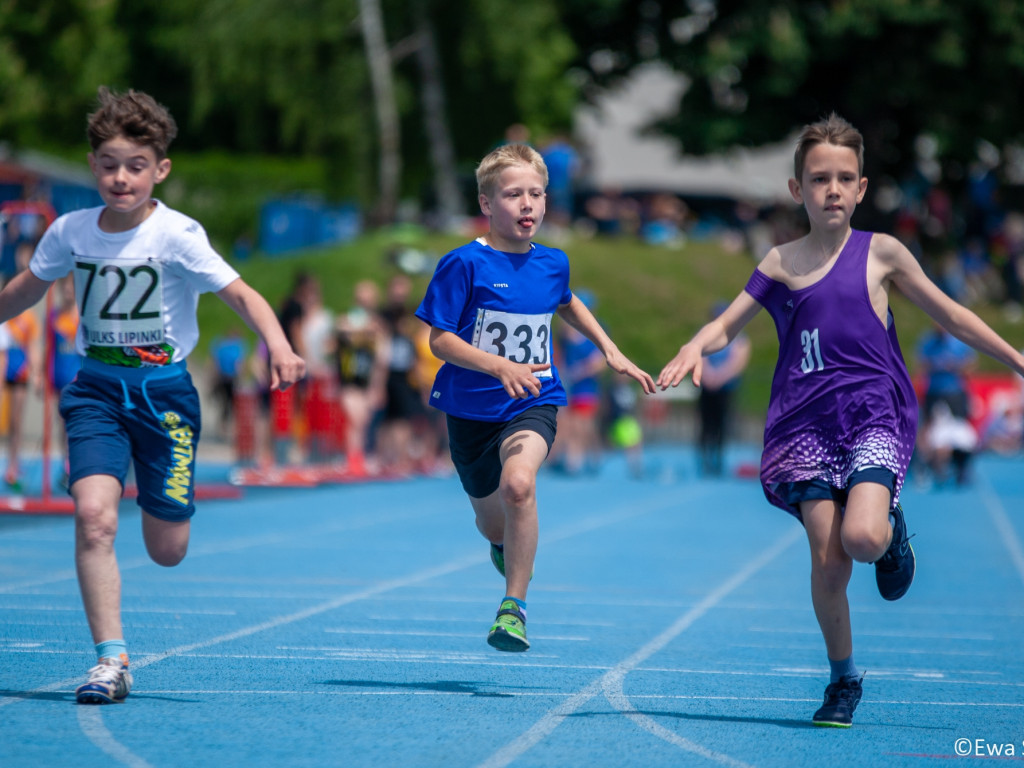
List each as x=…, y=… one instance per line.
x=948, y=440
x=489, y=305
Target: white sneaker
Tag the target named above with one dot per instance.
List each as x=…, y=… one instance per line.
x=109, y=682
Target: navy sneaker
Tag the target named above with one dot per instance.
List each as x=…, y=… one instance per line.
x=841, y=699
x=894, y=571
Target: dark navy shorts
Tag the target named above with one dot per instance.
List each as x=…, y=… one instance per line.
x=476, y=445
x=147, y=416
x=809, y=490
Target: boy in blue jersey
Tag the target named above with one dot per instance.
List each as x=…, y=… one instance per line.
x=489, y=305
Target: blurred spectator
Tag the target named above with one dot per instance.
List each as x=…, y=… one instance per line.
x=1003, y=432
x=719, y=381
x=578, y=441
x=981, y=283
x=65, y=361
x=292, y=311
x=664, y=220
x=624, y=429
x=397, y=443
x=609, y=212
x=361, y=363
x=22, y=372
x=227, y=355
x=563, y=162
x=433, y=431
x=515, y=133
x=317, y=331
x=947, y=439
x=1010, y=244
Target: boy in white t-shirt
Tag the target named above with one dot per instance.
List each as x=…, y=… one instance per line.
x=138, y=268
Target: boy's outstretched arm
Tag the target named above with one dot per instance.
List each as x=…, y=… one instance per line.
x=576, y=314
x=712, y=337
x=22, y=292
x=286, y=367
x=517, y=378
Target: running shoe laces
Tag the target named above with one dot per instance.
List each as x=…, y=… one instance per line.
x=109, y=681
x=841, y=699
x=508, y=633
x=894, y=571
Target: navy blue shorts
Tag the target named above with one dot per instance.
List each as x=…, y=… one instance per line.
x=810, y=490
x=476, y=445
x=147, y=416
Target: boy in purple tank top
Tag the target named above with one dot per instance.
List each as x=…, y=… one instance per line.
x=842, y=415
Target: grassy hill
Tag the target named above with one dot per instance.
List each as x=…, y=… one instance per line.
x=650, y=298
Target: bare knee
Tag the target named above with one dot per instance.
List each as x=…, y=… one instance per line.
x=866, y=542
x=95, y=525
x=166, y=541
x=167, y=554
x=518, y=489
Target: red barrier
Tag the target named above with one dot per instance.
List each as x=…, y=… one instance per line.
x=245, y=405
x=281, y=408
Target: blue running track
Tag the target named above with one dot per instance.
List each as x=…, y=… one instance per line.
x=670, y=622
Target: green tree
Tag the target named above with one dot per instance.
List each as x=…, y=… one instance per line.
x=758, y=70
x=53, y=56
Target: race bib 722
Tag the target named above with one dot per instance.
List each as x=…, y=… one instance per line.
x=120, y=301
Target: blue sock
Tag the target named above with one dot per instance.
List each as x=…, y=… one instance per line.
x=111, y=649
x=844, y=668
x=517, y=601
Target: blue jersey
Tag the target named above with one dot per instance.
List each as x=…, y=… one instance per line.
x=501, y=303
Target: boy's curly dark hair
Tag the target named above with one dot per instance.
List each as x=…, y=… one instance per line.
x=136, y=116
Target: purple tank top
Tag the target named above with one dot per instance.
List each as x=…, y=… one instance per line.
x=841, y=396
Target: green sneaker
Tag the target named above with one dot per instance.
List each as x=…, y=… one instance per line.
x=498, y=558
x=508, y=633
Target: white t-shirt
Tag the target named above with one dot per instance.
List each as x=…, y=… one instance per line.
x=138, y=290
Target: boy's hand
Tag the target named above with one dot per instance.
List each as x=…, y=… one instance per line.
x=518, y=379
x=286, y=368
x=687, y=361
x=621, y=364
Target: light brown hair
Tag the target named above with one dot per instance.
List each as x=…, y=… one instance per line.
x=831, y=130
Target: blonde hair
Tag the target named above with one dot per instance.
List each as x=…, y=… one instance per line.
x=506, y=156
x=832, y=130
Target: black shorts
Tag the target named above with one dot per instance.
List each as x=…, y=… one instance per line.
x=476, y=445
x=808, y=490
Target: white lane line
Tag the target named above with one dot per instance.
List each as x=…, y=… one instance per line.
x=201, y=549
x=997, y=513
x=425, y=633
x=558, y=694
x=623, y=513
x=980, y=637
x=554, y=717
x=124, y=611
x=91, y=723
x=613, y=681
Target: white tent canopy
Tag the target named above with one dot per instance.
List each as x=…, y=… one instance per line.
x=621, y=157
